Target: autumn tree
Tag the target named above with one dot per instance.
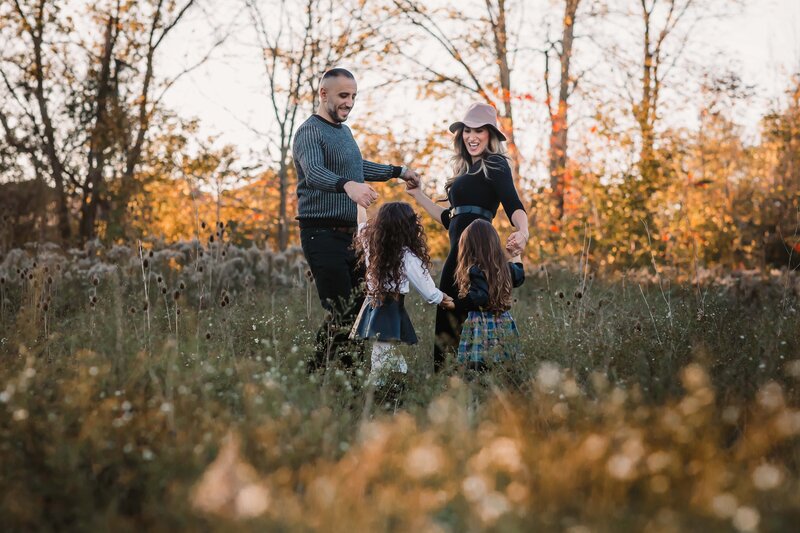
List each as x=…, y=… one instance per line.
x=479, y=46
x=558, y=102
x=298, y=42
x=81, y=93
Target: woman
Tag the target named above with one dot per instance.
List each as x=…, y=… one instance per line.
x=481, y=181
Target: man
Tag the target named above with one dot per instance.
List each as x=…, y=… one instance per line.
x=331, y=176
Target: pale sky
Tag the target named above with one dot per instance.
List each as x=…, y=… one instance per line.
x=761, y=43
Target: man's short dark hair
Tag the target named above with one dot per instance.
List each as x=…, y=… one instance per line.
x=337, y=72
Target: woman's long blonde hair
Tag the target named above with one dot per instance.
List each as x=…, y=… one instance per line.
x=462, y=160
x=480, y=246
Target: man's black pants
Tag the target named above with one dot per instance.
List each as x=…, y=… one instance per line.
x=339, y=280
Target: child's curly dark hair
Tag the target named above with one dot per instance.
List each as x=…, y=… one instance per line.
x=395, y=228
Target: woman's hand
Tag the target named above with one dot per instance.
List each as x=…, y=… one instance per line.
x=516, y=242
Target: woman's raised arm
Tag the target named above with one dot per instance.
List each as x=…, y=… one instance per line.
x=427, y=204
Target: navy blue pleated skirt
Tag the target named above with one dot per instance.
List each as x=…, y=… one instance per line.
x=388, y=322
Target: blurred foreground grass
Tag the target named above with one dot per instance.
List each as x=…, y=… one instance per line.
x=167, y=391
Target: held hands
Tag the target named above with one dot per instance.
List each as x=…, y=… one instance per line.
x=414, y=188
x=516, y=243
x=412, y=179
x=447, y=303
x=360, y=193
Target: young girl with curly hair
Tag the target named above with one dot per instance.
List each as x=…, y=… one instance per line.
x=393, y=249
x=484, y=278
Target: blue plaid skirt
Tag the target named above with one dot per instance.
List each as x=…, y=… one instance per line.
x=488, y=336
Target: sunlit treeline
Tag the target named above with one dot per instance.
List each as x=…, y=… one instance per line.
x=647, y=176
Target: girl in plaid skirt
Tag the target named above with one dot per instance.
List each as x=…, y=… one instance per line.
x=485, y=277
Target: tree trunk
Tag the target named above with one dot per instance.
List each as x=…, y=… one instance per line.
x=645, y=111
x=50, y=149
x=559, y=125
x=99, y=139
x=506, y=113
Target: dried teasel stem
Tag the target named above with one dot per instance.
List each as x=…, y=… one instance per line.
x=146, y=295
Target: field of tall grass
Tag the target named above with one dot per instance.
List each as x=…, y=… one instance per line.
x=165, y=389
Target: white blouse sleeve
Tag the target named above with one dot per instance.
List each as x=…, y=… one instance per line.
x=419, y=277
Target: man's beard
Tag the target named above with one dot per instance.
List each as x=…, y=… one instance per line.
x=333, y=111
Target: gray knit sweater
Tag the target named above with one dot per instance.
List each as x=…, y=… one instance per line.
x=326, y=157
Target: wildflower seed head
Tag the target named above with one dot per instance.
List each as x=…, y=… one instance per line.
x=49, y=280
x=159, y=279
x=211, y=239
x=30, y=277
x=208, y=336
x=95, y=281
x=221, y=225
x=45, y=307
x=223, y=253
x=182, y=286
x=163, y=290
x=578, y=295
x=132, y=310
x=176, y=295
x=203, y=224
x=150, y=253
x=309, y=275
x=2, y=280
x=560, y=294
x=146, y=263
x=144, y=306
x=200, y=269
x=93, y=299
x=177, y=311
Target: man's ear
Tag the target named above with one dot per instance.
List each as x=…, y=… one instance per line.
x=323, y=93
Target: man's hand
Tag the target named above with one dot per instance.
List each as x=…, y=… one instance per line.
x=412, y=178
x=414, y=192
x=447, y=303
x=360, y=193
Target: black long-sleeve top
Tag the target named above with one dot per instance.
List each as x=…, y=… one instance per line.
x=478, y=295
x=474, y=188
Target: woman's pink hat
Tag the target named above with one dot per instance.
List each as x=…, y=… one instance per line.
x=479, y=114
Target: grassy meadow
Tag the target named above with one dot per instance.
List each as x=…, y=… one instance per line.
x=166, y=390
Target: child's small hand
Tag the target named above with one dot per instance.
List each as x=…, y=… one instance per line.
x=513, y=250
x=447, y=303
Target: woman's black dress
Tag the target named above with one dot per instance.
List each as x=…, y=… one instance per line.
x=475, y=189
